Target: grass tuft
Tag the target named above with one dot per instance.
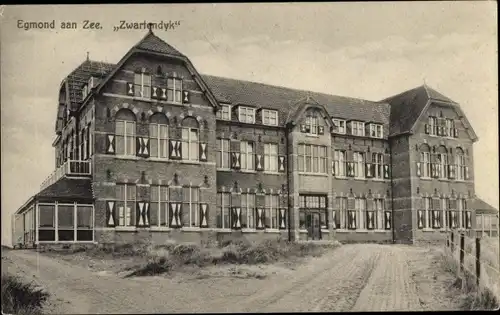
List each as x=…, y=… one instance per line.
x=19, y=297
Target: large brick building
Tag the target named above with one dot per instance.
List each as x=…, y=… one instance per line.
x=149, y=149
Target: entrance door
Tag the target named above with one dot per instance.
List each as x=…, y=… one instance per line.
x=313, y=226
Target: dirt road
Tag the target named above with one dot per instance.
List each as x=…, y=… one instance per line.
x=361, y=277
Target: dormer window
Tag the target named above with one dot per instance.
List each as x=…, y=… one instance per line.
x=224, y=113
x=142, y=85
x=339, y=126
x=269, y=117
x=376, y=131
x=85, y=91
x=358, y=128
x=312, y=124
x=174, y=90
x=91, y=83
x=246, y=114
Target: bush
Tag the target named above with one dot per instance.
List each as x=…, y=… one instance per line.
x=21, y=298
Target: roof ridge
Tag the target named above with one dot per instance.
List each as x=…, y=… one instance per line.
x=401, y=93
x=291, y=89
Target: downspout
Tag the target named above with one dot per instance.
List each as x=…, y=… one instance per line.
x=287, y=150
x=392, y=193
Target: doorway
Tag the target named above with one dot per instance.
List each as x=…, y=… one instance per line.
x=313, y=225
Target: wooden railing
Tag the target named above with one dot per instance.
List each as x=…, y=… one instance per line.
x=68, y=168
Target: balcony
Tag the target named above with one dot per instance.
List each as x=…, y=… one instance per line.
x=69, y=168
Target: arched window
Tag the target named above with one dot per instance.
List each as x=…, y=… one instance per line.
x=460, y=163
x=190, y=139
x=125, y=132
x=425, y=160
x=158, y=136
x=442, y=162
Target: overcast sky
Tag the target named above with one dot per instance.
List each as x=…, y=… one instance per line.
x=365, y=50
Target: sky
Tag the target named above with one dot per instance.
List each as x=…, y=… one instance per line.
x=368, y=50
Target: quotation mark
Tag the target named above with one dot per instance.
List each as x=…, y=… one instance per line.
x=2, y=7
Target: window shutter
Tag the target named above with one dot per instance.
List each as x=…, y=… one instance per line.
x=455, y=133
x=351, y=219
x=386, y=171
x=419, y=169
x=468, y=219
x=203, y=152
x=321, y=130
x=451, y=171
x=186, y=97
x=260, y=219
x=334, y=219
x=303, y=128
x=466, y=172
x=110, y=144
x=203, y=215
x=236, y=218
x=282, y=219
x=130, y=88
x=175, y=214
x=427, y=128
x=433, y=170
x=259, y=165
x=333, y=167
x=175, y=149
x=281, y=163
x=142, y=214
x=87, y=144
x=349, y=128
x=142, y=146
x=154, y=92
x=350, y=169
x=368, y=170
x=370, y=215
x=110, y=214
x=387, y=220
x=162, y=93
x=235, y=160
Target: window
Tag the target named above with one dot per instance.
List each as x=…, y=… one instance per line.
x=271, y=211
x=427, y=212
x=191, y=199
x=246, y=115
x=312, y=158
x=174, y=90
x=126, y=196
x=269, y=117
x=246, y=151
x=247, y=208
x=450, y=127
x=339, y=126
x=462, y=208
x=376, y=131
x=66, y=222
x=47, y=222
x=360, y=206
x=378, y=162
x=433, y=125
x=341, y=212
x=312, y=124
x=312, y=204
x=442, y=161
x=159, y=206
x=357, y=128
x=142, y=85
x=82, y=136
x=225, y=112
x=444, y=205
x=270, y=157
x=425, y=164
x=125, y=133
x=158, y=137
x=339, y=163
x=379, y=213
x=190, y=144
x=359, y=163
x=460, y=164
x=84, y=223
x=223, y=153
x=223, y=210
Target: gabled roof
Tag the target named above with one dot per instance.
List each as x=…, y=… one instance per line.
x=285, y=100
x=406, y=107
x=151, y=42
x=482, y=206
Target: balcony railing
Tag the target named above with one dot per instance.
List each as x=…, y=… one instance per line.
x=68, y=168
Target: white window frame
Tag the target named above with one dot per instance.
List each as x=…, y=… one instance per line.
x=141, y=89
x=316, y=159
x=312, y=121
x=427, y=211
x=270, y=158
x=125, y=216
x=378, y=165
x=193, y=206
x=249, y=210
x=162, y=204
x=221, y=152
x=128, y=139
x=176, y=90
x=188, y=142
x=359, y=164
x=425, y=162
x=360, y=207
x=450, y=126
x=244, y=113
x=358, y=128
x=433, y=124
x=271, y=209
x=376, y=131
x=225, y=112
x=247, y=155
x=340, y=126
x=223, y=207
x=444, y=208
x=339, y=160
x=460, y=165
x=160, y=139
x=269, y=117
x=443, y=162
x=379, y=204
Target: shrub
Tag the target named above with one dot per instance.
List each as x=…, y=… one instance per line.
x=21, y=298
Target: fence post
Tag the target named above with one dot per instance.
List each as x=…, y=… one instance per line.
x=462, y=251
x=478, y=260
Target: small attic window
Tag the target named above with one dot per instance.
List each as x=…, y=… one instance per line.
x=85, y=91
x=159, y=71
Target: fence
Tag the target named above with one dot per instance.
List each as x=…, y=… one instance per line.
x=478, y=257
